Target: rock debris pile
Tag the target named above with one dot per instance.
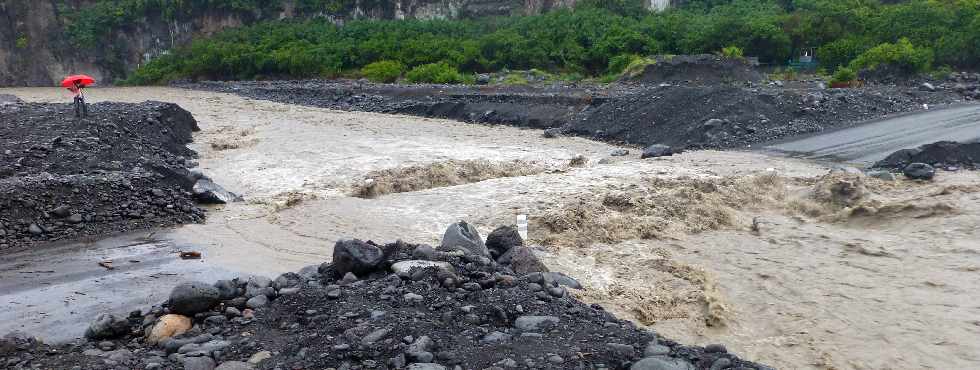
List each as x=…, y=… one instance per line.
x=465, y=304
x=123, y=168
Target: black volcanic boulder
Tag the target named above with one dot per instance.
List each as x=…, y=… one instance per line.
x=357, y=257
x=523, y=261
x=898, y=159
x=463, y=236
x=919, y=171
x=502, y=239
x=658, y=150
x=207, y=192
x=107, y=326
x=193, y=297
x=227, y=289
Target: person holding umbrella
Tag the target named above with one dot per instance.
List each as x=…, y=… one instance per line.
x=75, y=84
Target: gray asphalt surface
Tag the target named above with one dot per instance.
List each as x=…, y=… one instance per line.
x=869, y=142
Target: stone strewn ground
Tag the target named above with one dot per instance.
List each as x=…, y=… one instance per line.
x=394, y=306
x=120, y=169
x=679, y=114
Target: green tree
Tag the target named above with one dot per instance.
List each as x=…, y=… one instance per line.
x=439, y=73
x=901, y=55
x=383, y=71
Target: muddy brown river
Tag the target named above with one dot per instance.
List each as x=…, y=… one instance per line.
x=896, y=288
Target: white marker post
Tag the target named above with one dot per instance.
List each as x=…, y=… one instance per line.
x=522, y=226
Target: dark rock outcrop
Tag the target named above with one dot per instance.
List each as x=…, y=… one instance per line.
x=941, y=154
x=657, y=150
x=357, y=257
x=464, y=237
x=502, y=239
x=192, y=298
x=919, y=171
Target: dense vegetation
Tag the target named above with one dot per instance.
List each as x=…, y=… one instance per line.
x=597, y=38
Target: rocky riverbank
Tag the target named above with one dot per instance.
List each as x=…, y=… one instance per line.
x=944, y=154
x=122, y=168
x=679, y=114
x=466, y=304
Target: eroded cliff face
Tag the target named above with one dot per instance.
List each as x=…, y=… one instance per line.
x=26, y=44
x=36, y=51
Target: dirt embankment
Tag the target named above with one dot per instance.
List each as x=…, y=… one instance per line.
x=711, y=116
x=123, y=168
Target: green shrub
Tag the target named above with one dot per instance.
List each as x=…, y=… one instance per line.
x=515, y=79
x=618, y=64
x=733, y=52
x=844, y=75
x=386, y=71
x=840, y=52
x=437, y=73
x=637, y=66
x=902, y=55
x=941, y=72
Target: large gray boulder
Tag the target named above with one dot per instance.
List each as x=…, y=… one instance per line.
x=658, y=150
x=227, y=289
x=107, y=326
x=553, y=278
x=193, y=297
x=919, y=171
x=523, y=261
x=207, y=192
x=258, y=285
x=502, y=240
x=287, y=280
x=357, y=257
x=463, y=237
x=534, y=323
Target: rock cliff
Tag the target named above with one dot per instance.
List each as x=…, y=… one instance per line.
x=38, y=48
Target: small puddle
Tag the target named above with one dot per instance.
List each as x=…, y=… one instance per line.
x=54, y=292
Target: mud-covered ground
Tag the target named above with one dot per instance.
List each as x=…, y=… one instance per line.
x=120, y=169
x=744, y=249
x=675, y=114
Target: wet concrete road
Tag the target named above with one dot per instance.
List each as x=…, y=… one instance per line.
x=870, y=142
x=54, y=292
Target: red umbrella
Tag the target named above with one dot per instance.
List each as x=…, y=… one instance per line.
x=82, y=80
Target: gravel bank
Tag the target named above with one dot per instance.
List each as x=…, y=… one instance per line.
x=119, y=170
x=681, y=115
x=391, y=306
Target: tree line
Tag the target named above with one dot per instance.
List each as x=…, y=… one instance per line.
x=592, y=40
